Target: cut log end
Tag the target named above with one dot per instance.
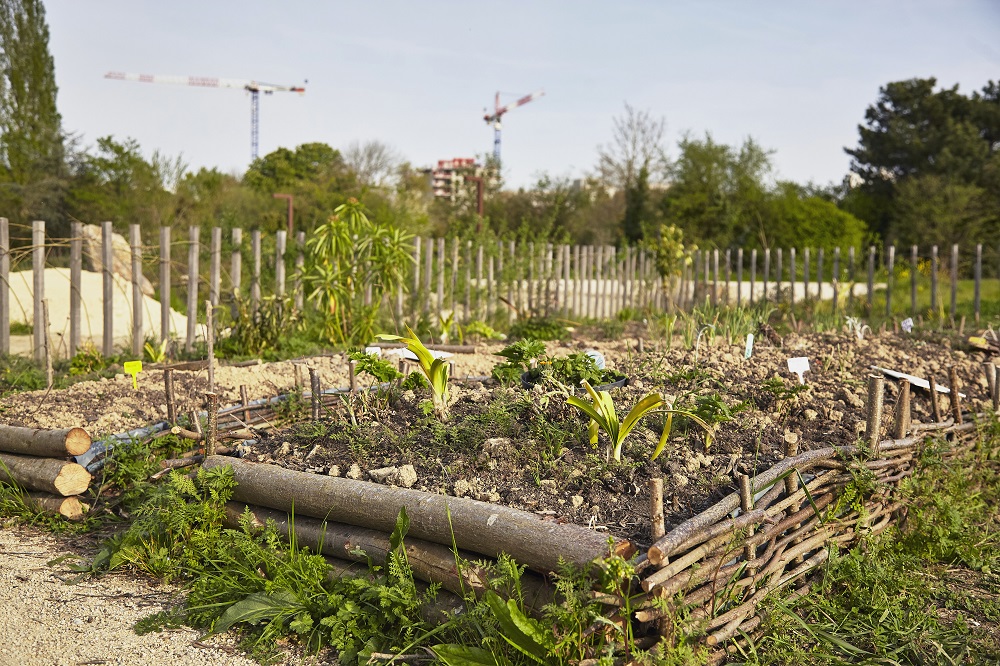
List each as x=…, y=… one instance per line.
x=72, y=479
x=70, y=508
x=77, y=441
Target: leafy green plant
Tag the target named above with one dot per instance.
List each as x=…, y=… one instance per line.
x=87, y=360
x=353, y=264
x=434, y=369
x=538, y=328
x=519, y=355
x=376, y=366
x=480, y=329
x=155, y=353
x=255, y=332
x=603, y=416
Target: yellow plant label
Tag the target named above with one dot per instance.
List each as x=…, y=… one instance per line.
x=134, y=368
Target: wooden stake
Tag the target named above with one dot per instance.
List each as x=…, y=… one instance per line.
x=746, y=506
x=902, y=421
x=195, y=421
x=213, y=422
x=656, y=507
x=244, y=399
x=46, y=348
x=996, y=389
x=935, y=407
x=168, y=389
x=352, y=375
x=991, y=379
x=210, y=343
x=956, y=405
x=314, y=388
x=876, y=399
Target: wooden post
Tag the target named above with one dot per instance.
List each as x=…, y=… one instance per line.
x=996, y=388
x=819, y=273
x=746, y=506
x=46, y=351
x=192, y=288
x=210, y=343
x=479, y=279
x=215, y=265
x=729, y=267
x=739, y=276
x=467, y=298
x=934, y=279
x=38, y=288
x=577, y=282
x=280, y=242
x=168, y=390
x=876, y=398
x=300, y=265
x=914, y=269
x=753, y=276
x=428, y=272
x=715, y=276
x=871, y=278
x=956, y=404
x=212, y=431
x=991, y=379
x=4, y=286
x=978, y=277
x=935, y=406
x=454, y=273
x=255, y=280
x=417, y=241
x=314, y=387
x=954, y=280
x=598, y=274
x=767, y=271
x=902, y=421
x=236, y=262
x=706, y=265
x=165, y=284
x=835, y=279
x=515, y=275
x=352, y=375
x=778, y=276
x=108, y=339
x=440, y=274
x=245, y=398
x=656, y=507
x=890, y=273
x=491, y=290
x=135, y=245
x=851, y=274
x=791, y=274
x=75, y=277
x=805, y=274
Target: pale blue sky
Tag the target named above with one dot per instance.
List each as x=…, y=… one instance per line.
x=795, y=75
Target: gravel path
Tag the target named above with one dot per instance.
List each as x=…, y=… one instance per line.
x=45, y=622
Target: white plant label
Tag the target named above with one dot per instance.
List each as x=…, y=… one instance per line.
x=800, y=366
x=906, y=324
x=749, y=350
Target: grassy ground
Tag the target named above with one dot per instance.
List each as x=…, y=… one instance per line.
x=926, y=593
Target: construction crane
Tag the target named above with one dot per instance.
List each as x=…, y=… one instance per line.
x=253, y=87
x=498, y=111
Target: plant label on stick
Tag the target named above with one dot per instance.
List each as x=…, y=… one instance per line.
x=134, y=368
x=800, y=366
x=907, y=325
x=749, y=350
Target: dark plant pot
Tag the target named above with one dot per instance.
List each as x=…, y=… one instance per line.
x=618, y=383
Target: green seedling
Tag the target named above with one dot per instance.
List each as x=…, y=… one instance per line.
x=604, y=416
x=435, y=369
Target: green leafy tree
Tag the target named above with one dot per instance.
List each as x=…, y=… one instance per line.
x=32, y=175
x=913, y=130
x=796, y=218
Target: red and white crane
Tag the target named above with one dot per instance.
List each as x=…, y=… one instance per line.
x=498, y=112
x=253, y=87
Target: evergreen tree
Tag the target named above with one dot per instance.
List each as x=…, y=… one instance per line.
x=31, y=142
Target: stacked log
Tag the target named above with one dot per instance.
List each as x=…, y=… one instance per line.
x=35, y=460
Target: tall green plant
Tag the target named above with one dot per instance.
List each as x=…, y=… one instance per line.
x=353, y=265
x=435, y=369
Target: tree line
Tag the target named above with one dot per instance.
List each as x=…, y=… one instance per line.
x=925, y=170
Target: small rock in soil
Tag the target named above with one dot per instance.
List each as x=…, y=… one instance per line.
x=354, y=472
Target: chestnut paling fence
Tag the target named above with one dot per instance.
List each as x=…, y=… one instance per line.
x=474, y=281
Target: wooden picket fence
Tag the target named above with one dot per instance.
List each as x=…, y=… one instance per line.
x=470, y=281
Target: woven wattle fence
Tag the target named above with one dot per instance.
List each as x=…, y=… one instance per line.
x=716, y=568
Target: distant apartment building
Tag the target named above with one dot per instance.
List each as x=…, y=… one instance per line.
x=449, y=175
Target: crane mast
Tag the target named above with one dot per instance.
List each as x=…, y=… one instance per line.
x=253, y=87
x=498, y=113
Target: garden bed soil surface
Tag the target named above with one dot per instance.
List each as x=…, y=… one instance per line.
x=529, y=449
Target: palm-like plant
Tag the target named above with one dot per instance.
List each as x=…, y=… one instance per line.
x=604, y=416
x=435, y=369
